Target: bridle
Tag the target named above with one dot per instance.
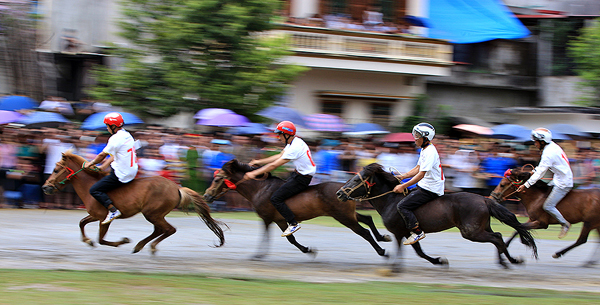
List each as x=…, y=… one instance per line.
x=513, y=182
x=71, y=174
x=228, y=184
x=367, y=184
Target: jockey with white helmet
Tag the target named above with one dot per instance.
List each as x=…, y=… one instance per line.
x=427, y=175
x=553, y=159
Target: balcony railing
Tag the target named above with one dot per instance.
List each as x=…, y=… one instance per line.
x=392, y=47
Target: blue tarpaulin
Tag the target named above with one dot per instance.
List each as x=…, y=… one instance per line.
x=469, y=21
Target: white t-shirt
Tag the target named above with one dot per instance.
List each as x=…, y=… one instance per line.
x=555, y=160
x=299, y=153
x=429, y=162
x=54, y=152
x=122, y=146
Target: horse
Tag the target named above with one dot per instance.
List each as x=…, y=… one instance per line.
x=469, y=212
x=316, y=200
x=577, y=206
x=154, y=197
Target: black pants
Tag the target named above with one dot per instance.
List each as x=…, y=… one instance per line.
x=408, y=204
x=295, y=184
x=106, y=184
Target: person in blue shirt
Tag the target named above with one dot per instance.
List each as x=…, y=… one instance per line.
x=495, y=165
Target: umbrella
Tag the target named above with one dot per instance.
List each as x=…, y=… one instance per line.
x=43, y=119
x=416, y=21
x=568, y=129
x=62, y=107
x=476, y=129
x=17, y=102
x=366, y=129
x=9, y=116
x=280, y=113
x=226, y=120
x=511, y=132
x=209, y=113
x=251, y=129
x=325, y=122
x=399, y=137
x=96, y=120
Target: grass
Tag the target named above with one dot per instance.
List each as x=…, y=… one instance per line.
x=551, y=233
x=93, y=287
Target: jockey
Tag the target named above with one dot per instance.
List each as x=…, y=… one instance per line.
x=121, y=148
x=297, y=151
x=553, y=159
x=427, y=175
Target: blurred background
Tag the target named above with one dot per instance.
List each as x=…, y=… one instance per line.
x=204, y=82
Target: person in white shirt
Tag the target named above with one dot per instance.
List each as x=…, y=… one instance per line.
x=123, y=160
x=553, y=159
x=428, y=176
x=298, y=152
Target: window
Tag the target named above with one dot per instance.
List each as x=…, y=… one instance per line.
x=380, y=113
x=332, y=107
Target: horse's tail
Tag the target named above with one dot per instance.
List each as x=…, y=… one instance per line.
x=190, y=196
x=508, y=218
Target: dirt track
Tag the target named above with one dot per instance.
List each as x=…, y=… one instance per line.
x=49, y=239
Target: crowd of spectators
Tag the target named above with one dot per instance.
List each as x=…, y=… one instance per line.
x=28, y=157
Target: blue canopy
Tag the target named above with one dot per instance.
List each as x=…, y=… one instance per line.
x=465, y=21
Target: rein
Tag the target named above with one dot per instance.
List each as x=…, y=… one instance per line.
x=72, y=173
x=230, y=185
x=367, y=185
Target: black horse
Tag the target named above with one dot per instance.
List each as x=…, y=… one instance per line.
x=470, y=213
x=317, y=200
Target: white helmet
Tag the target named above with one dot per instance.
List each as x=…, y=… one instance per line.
x=541, y=134
x=423, y=130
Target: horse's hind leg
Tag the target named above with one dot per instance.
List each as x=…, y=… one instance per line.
x=368, y=220
x=140, y=245
x=364, y=233
x=596, y=255
x=82, y=223
x=167, y=229
x=283, y=225
x=494, y=238
x=582, y=239
x=102, y=232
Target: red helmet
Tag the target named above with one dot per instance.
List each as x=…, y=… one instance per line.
x=114, y=118
x=286, y=127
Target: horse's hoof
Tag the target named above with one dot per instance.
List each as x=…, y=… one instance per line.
x=89, y=242
x=387, y=272
x=443, y=261
x=153, y=251
x=383, y=253
x=386, y=238
x=125, y=240
x=589, y=264
x=257, y=257
x=556, y=255
x=312, y=252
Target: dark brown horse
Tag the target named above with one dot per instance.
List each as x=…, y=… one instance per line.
x=317, y=200
x=470, y=213
x=577, y=206
x=154, y=197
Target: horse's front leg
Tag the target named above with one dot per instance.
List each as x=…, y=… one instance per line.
x=368, y=220
x=82, y=223
x=436, y=261
x=311, y=251
x=596, y=255
x=530, y=225
x=582, y=239
x=102, y=232
x=263, y=246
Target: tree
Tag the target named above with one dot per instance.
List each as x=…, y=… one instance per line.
x=585, y=49
x=191, y=54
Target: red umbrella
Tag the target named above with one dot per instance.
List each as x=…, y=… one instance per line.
x=399, y=137
x=476, y=129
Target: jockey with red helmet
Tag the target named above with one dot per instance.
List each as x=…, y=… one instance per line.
x=297, y=151
x=553, y=159
x=123, y=160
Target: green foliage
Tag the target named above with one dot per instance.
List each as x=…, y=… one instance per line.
x=585, y=49
x=208, y=52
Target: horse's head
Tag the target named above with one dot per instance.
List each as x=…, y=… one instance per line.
x=359, y=186
x=513, y=178
x=63, y=172
x=225, y=179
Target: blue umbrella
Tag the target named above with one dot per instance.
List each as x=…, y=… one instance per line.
x=252, y=129
x=17, y=102
x=366, y=129
x=226, y=120
x=43, y=119
x=416, y=21
x=569, y=130
x=280, y=113
x=96, y=120
x=511, y=132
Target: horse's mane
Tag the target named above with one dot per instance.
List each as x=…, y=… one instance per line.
x=79, y=160
x=377, y=169
x=525, y=175
x=236, y=166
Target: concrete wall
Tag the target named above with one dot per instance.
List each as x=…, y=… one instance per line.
x=304, y=8
x=559, y=90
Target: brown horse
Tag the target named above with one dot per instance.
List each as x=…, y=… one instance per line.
x=469, y=212
x=577, y=206
x=154, y=197
x=317, y=200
